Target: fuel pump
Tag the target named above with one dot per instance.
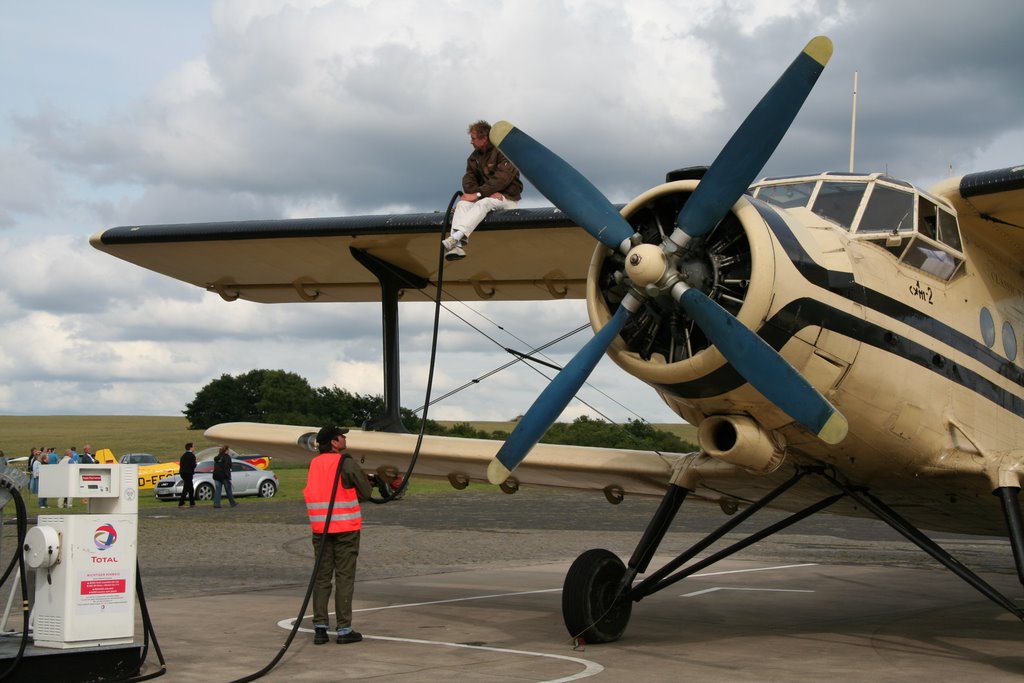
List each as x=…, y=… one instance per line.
x=85, y=563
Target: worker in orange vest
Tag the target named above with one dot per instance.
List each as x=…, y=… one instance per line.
x=340, y=533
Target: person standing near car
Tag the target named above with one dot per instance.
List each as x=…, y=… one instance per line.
x=186, y=470
x=222, y=476
x=341, y=536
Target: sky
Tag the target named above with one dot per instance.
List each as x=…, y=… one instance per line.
x=120, y=112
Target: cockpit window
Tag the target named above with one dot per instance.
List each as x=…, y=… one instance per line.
x=839, y=202
x=888, y=210
x=787, y=196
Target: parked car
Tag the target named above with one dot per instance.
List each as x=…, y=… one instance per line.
x=246, y=480
x=151, y=470
x=138, y=459
x=255, y=459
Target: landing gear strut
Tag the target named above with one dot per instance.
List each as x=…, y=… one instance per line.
x=598, y=592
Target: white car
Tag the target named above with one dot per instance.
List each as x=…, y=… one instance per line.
x=246, y=480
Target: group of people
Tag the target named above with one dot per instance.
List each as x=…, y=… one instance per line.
x=48, y=456
x=334, y=488
x=221, y=477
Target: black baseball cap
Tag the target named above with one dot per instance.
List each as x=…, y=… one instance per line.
x=327, y=434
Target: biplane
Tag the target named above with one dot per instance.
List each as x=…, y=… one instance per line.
x=843, y=341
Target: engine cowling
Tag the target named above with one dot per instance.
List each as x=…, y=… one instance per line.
x=734, y=265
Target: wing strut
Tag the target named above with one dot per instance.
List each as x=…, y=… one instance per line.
x=392, y=280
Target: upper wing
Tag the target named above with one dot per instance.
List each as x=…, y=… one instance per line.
x=522, y=254
x=990, y=205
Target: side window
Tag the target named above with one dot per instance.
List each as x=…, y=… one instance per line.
x=988, y=327
x=787, y=196
x=838, y=202
x=1009, y=341
x=948, y=232
x=931, y=259
x=927, y=221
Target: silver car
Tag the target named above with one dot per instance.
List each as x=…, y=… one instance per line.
x=246, y=480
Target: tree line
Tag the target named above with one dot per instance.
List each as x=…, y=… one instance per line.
x=280, y=397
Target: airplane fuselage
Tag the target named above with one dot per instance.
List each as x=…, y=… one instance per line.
x=864, y=285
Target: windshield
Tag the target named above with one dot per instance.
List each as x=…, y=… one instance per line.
x=880, y=210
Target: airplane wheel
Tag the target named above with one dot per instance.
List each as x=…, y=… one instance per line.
x=590, y=607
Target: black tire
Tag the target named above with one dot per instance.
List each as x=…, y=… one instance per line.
x=267, y=489
x=591, y=607
x=204, y=491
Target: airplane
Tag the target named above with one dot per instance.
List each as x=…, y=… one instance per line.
x=842, y=341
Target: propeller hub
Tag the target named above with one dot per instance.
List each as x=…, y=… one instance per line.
x=646, y=265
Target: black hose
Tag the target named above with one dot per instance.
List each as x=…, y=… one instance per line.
x=387, y=497
x=19, y=559
x=147, y=631
x=309, y=589
x=387, y=494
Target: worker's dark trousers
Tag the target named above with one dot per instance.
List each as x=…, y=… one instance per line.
x=339, y=565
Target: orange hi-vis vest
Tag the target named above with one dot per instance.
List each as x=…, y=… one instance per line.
x=346, y=515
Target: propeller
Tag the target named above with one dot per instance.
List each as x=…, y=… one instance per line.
x=556, y=396
x=652, y=269
x=564, y=186
x=752, y=144
x=763, y=367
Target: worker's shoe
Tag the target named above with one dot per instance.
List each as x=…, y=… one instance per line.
x=320, y=635
x=350, y=637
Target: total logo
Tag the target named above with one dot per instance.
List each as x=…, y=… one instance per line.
x=105, y=536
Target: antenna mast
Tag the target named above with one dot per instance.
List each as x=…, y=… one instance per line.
x=853, y=121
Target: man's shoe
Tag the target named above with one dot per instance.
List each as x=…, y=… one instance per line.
x=234, y=505
x=217, y=506
x=453, y=248
x=350, y=637
x=320, y=635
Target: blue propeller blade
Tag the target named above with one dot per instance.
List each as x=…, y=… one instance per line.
x=549, y=405
x=764, y=368
x=563, y=185
x=753, y=143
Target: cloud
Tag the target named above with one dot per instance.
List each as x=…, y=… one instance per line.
x=264, y=109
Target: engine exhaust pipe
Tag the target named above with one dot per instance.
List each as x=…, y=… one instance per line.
x=740, y=441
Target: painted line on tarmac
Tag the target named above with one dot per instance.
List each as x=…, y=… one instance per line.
x=757, y=569
x=475, y=597
x=590, y=668
x=747, y=571
x=730, y=588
